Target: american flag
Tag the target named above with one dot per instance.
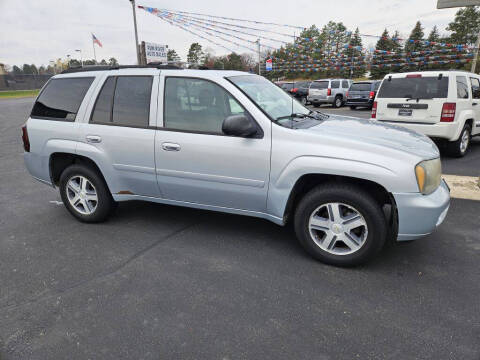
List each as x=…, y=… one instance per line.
x=96, y=41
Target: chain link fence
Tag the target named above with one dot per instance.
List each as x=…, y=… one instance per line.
x=22, y=82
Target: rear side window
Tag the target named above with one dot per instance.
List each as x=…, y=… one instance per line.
x=415, y=88
x=61, y=99
x=124, y=100
x=319, y=85
x=345, y=84
x=287, y=86
x=361, y=87
x=335, y=84
x=462, y=87
x=377, y=85
x=475, y=88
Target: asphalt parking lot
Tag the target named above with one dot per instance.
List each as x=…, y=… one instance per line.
x=161, y=282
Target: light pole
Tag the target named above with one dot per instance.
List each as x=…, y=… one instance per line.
x=135, y=29
x=81, y=57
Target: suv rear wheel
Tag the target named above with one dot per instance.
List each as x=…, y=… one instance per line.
x=460, y=147
x=340, y=225
x=338, y=102
x=85, y=194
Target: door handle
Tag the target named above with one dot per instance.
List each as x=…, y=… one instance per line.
x=93, y=139
x=474, y=104
x=170, y=146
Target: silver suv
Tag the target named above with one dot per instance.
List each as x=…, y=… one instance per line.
x=233, y=142
x=329, y=91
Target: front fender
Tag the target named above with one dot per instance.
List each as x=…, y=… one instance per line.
x=281, y=186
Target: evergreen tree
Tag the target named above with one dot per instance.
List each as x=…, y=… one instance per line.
x=353, y=57
x=385, y=43
x=195, y=54
x=17, y=70
x=172, y=55
x=412, y=46
x=466, y=26
x=112, y=61
x=27, y=69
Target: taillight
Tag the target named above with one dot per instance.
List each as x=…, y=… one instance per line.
x=413, y=76
x=374, y=110
x=346, y=94
x=294, y=90
x=372, y=94
x=448, y=112
x=329, y=92
x=26, y=141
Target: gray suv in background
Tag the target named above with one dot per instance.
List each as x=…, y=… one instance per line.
x=329, y=91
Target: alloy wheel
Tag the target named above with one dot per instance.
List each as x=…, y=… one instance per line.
x=338, y=229
x=82, y=195
x=465, y=141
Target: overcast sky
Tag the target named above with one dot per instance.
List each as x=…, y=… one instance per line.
x=34, y=31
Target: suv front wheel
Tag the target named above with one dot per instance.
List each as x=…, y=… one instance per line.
x=460, y=147
x=340, y=225
x=85, y=194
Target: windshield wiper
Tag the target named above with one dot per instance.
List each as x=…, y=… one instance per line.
x=418, y=99
x=300, y=116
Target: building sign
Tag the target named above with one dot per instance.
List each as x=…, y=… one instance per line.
x=155, y=53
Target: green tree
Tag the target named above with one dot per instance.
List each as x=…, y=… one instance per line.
x=195, y=53
x=103, y=62
x=353, y=57
x=412, y=45
x=172, y=55
x=27, y=69
x=386, y=44
x=466, y=25
x=17, y=70
x=112, y=61
x=34, y=69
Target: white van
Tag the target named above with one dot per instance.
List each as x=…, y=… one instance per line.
x=440, y=104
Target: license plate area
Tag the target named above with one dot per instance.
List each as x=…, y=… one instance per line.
x=405, y=112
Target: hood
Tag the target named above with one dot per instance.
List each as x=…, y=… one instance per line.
x=376, y=133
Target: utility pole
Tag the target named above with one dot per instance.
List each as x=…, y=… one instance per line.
x=474, y=62
x=136, y=33
x=259, y=59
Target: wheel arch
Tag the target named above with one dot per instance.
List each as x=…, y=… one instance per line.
x=59, y=161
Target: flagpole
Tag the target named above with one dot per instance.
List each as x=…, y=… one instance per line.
x=94, y=54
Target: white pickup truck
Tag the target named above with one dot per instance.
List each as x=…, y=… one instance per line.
x=443, y=105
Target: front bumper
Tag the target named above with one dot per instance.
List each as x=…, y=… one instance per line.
x=419, y=215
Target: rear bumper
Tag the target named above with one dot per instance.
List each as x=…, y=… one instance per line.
x=448, y=131
x=359, y=102
x=419, y=215
x=320, y=99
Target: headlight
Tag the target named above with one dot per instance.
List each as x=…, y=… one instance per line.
x=429, y=175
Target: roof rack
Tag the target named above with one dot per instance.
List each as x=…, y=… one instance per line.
x=116, y=67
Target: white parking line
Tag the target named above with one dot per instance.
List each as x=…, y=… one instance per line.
x=464, y=187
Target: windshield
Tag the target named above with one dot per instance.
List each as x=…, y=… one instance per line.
x=270, y=98
x=319, y=85
x=287, y=86
x=415, y=88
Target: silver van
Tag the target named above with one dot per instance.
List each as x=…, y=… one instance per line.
x=329, y=91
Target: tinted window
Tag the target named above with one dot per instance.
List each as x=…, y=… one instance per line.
x=361, y=87
x=462, y=87
x=475, y=88
x=335, y=84
x=102, y=112
x=345, y=84
x=131, y=102
x=61, y=98
x=197, y=105
x=377, y=85
x=287, y=86
x=319, y=85
x=423, y=88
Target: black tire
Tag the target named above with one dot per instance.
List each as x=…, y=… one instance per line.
x=352, y=196
x=304, y=101
x=105, y=204
x=316, y=105
x=455, y=148
x=352, y=107
x=338, y=102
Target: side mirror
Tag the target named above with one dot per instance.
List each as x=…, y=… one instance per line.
x=239, y=125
